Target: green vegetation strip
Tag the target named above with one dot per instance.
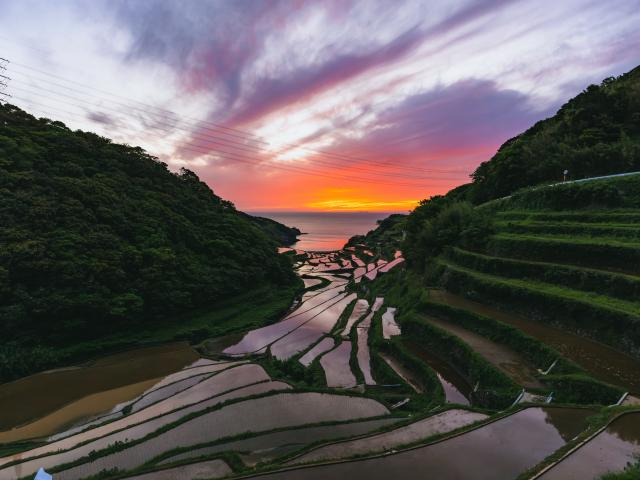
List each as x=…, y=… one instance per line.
x=569, y=382
x=604, y=217
x=609, y=254
x=496, y=390
x=630, y=232
x=610, y=320
x=624, y=287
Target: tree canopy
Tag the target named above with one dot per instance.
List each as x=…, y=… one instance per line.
x=96, y=236
x=595, y=133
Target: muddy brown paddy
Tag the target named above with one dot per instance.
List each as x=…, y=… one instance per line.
x=602, y=361
x=93, y=388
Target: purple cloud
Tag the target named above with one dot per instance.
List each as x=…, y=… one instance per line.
x=445, y=123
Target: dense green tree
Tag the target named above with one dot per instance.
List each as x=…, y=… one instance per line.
x=595, y=133
x=97, y=236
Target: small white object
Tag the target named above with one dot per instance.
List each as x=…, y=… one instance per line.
x=42, y=475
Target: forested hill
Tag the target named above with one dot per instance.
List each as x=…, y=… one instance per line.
x=595, y=133
x=282, y=234
x=97, y=236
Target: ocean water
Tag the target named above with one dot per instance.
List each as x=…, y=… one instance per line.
x=326, y=231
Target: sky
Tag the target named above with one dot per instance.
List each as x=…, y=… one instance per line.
x=313, y=105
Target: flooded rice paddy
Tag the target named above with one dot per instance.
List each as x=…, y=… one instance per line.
x=313, y=305
x=500, y=450
x=29, y=465
x=363, y=355
x=124, y=426
x=456, y=388
x=510, y=362
x=196, y=471
x=358, y=311
x=422, y=429
x=318, y=349
x=609, y=451
x=336, y=367
x=389, y=326
x=403, y=372
x=307, y=333
x=60, y=397
x=602, y=361
x=255, y=415
x=293, y=438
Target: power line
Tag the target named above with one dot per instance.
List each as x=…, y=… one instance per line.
x=228, y=130
x=247, y=160
x=209, y=140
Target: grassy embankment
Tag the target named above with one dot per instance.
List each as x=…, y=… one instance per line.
x=547, y=260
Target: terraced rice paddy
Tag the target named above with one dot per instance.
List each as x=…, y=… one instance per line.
x=255, y=415
x=312, y=307
x=269, y=444
x=442, y=422
x=456, y=388
x=357, y=261
x=392, y=264
x=507, y=360
x=108, y=381
x=50, y=460
x=311, y=282
x=307, y=333
x=358, y=311
x=193, y=399
x=500, y=450
x=214, y=406
x=318, y=349
x=389, y=326
x=363, y=354
x=609, y=451
x=403, y=372
x=196, y=471
x=336, y=367
x=601, y=361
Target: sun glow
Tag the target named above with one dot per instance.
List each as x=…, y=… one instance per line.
x=362, y=205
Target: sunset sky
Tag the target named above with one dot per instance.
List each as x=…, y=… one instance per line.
x=328, y=105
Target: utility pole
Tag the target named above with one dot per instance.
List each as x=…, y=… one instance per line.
x=3, y=79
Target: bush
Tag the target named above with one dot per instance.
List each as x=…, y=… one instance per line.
x=456, y=224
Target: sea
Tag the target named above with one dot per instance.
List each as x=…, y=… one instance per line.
x=326, y=231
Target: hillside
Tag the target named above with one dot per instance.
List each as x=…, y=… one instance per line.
x=548, y=271
x=97, y=238
x=595, y=133
x=282, y=234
